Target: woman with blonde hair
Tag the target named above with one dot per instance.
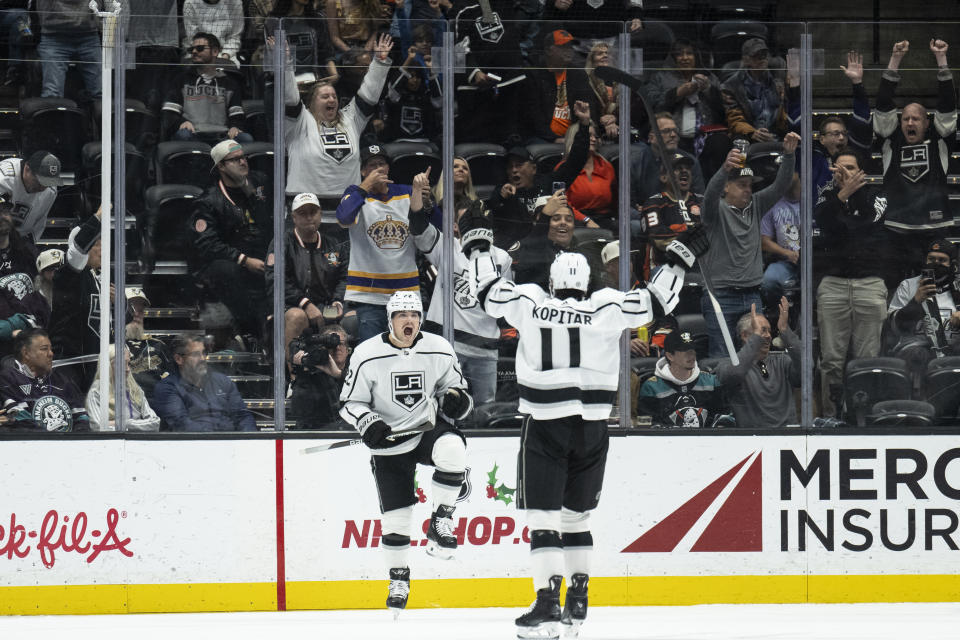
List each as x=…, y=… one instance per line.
x=604, y=101
x=463, y=191
x=136, y=412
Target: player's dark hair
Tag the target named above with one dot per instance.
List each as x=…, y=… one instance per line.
x=24, y=339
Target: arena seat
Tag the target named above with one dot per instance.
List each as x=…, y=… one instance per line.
x=184, y=162
x=871, y=380
x=142, y=124
x=256, y=122
x=260, y=156
x=168, y=208
x=56, y=125
x=487, y=162
x=546, y=155
x=941, y=387
x=727, y=38
x=902, y=413
x=407, y=159
x=88, y=178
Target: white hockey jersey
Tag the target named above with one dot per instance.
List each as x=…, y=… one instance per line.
x=398, y=385
x=326, y=160
x=383, y=257
x=568, y=356
x=29, y=209
x=475, y=333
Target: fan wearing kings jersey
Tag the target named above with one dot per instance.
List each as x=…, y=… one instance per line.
x=391, y=393
x=915, y=156
x=323, y=140
x=568, y=383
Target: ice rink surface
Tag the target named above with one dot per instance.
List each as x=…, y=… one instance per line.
x=704, y=622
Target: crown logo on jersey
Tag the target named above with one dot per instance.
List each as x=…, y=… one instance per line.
x=389, y=233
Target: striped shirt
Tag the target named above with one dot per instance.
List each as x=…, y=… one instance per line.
x=382, y=253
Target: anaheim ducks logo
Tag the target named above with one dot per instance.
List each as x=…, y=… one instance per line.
x=53, y=413
x=19, y=284
x=389, y=233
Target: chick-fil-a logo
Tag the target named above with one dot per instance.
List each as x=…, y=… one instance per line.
x=63, y=534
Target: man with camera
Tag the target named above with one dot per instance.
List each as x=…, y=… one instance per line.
x=925, y=310
x=319, y=362
x=315, y=271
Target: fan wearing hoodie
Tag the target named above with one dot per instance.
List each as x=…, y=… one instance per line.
x=203, y=101
x=679, y=394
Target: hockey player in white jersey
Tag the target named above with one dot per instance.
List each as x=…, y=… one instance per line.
x=475, y=333
x=567, y=375
x=391, y=393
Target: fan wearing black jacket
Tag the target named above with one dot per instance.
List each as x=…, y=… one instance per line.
x=852, y=252
x=229, y=228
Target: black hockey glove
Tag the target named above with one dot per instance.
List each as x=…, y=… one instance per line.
x=375, y=436
x=476, y=232
x=689, y=245
x=455, y=404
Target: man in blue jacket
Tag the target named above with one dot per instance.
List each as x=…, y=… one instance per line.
x=195, y=399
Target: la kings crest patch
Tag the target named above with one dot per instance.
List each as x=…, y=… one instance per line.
x=53, y=413
x=492, y=32
x=336, y=144
x=914, y=161
x=408, y=389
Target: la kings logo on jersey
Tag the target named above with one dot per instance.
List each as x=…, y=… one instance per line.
x=408, y=389
x=914, y=161
x=53, y=413
x=490, y=32
x=411, y=120
x=336, y=144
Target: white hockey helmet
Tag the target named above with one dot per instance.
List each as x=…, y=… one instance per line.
x=569, y=271
x=403, y=301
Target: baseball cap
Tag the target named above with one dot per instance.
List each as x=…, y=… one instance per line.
x=46, y=167
x=744, y=172
x=222, y=149
x=753, y=46
x=136, y=292
x=49, y=258
x=302, y=199
x=942, y=245
x=678, y=340
x=559, y=38
x=610, y=251
x=521, y=152
x=680, y=158
x=371, y=152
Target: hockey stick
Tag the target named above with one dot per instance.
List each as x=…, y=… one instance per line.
x=428, y=425
x=613, y=74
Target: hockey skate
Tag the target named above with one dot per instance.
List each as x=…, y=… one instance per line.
x=441, y=543
x=399, y=590
x=543, y=619
x=575, y=606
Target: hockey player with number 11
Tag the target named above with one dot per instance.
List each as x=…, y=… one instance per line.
x=567, y=375
x=390, y=394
